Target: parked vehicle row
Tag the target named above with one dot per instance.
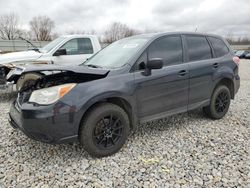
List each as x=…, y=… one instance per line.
x=133, y=80
x=65, y=50
x=243, y=54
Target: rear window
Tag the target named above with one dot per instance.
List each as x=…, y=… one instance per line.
x=220, y=48
x=198, y=48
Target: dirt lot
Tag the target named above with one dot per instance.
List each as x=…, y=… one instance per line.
x=186, y=150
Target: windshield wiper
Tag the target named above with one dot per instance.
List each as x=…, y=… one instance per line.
x=94, y=66
x=35, y=48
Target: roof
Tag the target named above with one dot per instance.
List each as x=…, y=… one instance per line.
x=156, y=35
x=78, y=35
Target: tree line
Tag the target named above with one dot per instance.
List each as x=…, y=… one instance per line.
x=241, y=40
x=41, y=28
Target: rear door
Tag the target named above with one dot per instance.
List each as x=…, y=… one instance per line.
x=201, y=67
x=165, y=91
x=78, y=50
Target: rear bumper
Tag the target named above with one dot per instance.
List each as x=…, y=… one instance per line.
x=41, y=125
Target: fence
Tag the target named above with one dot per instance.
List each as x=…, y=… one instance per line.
x=20, y=45
x=241, y=47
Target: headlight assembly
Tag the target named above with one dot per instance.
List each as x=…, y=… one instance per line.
x=50, y=95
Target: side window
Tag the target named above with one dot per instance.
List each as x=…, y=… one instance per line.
x=220, y=48
x=71, y=47
x=168, y=48
x=198, y=48
x=85, y=46
x=78, y=46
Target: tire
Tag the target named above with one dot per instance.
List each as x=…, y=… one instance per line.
x=219, y=103
x=100, y=138
x=26, y=80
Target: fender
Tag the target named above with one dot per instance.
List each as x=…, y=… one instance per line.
x=223, y=73
x=131, y=100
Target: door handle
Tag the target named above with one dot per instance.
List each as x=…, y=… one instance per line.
x=182, y=73
x=216, y=65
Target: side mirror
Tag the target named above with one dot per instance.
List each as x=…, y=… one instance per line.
x=155, y=63
x=60, y=52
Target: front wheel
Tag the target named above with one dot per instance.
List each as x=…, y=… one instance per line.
x=104, y=130
x=219, y=104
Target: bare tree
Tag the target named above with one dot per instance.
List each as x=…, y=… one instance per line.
x=230, y=37
x=81, y=32
x=41, y=27
x=75, y=32
x=9, y=27
x=240, y=40
x=118, y=31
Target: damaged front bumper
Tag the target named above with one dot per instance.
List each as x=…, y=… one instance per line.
x=43, y=123
x=57, y=122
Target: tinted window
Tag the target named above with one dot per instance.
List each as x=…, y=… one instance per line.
x=220, y=48
x=78, y=46
x=198, y=48
x=167, y=48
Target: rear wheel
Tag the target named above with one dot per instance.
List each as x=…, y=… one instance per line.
x=219, y=104
x=104, y=130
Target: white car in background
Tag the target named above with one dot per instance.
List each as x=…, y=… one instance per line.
x=66, y=50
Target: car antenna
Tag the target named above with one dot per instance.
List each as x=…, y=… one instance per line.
x=35, y=47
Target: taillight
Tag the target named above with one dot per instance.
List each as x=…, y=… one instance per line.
x=236, y=60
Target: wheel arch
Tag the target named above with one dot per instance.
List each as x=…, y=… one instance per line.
x=117, y=100
x=227, y=82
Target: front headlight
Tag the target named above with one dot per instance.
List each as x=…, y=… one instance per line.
x=50, y=95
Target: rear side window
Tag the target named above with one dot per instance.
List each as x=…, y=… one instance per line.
x=168, y=48
x=85, y=46
x=198, y=48
x=220, y=48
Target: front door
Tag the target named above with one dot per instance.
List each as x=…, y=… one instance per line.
x=78, y=50
x=165, y=91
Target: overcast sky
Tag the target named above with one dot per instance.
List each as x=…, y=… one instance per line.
x=225, y=17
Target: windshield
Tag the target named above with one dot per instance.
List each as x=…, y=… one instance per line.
x=52, y=44
x=117, y=54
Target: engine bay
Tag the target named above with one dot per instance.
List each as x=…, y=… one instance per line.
x=54, y=79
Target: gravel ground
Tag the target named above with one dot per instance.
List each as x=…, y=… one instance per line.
x=186, y=150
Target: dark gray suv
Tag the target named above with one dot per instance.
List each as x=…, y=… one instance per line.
x=133, y=80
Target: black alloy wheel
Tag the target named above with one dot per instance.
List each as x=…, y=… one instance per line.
x=108, y=131
x=219, y=103
x=104, y=129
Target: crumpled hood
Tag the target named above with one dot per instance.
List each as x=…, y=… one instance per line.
x=19, y=56
x=76, y=69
